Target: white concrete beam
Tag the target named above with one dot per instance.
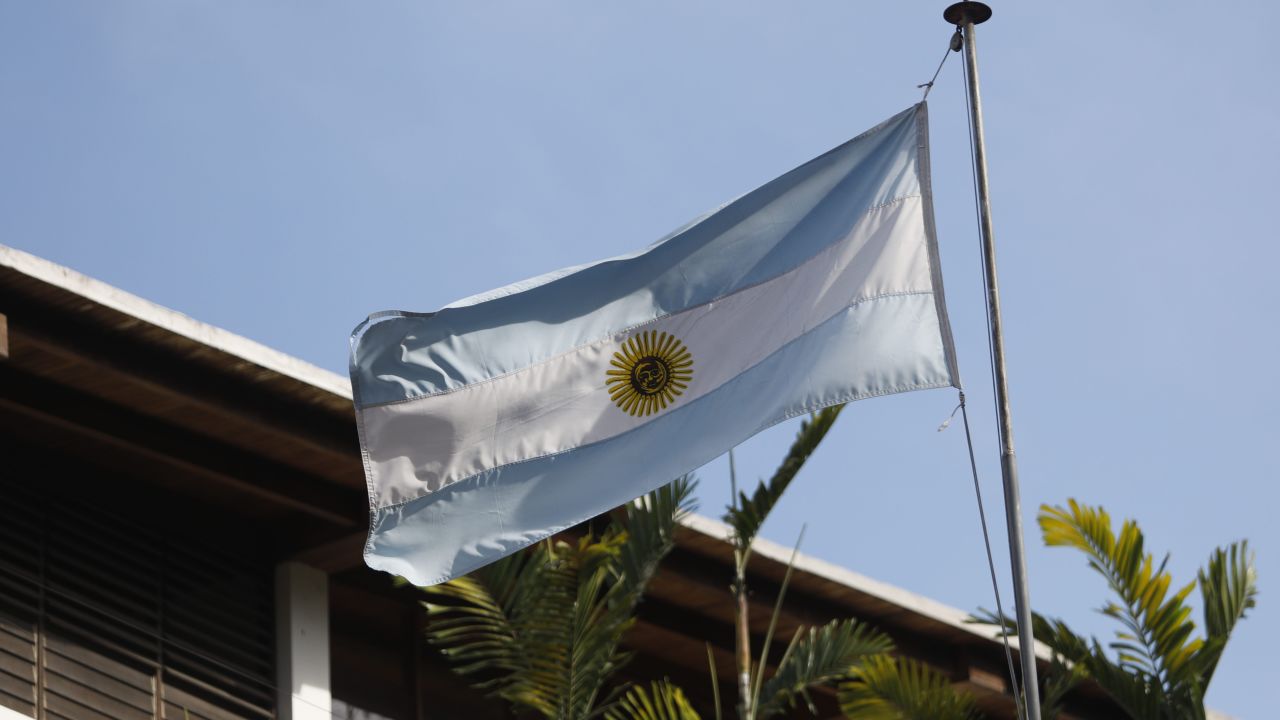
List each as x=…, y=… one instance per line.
x=302, y=643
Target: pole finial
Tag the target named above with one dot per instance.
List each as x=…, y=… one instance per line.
x=963, y=13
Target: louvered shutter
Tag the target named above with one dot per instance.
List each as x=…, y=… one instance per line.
x=102, y=618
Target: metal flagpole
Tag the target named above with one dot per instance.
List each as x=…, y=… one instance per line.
x=966, y=15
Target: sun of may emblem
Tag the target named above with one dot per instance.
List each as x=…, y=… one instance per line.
x=649, y=372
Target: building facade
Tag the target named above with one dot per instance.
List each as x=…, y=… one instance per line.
x=182, y=513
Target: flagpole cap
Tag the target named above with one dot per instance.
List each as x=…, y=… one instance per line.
x=963, y=13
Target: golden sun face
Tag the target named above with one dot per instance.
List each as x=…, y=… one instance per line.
x=649, y=372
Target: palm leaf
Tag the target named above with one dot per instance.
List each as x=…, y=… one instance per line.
x=608, y=592
x=757, y=683
x=607, y=599
x=651, y=523
x=817, y=656
x=1160, y=670
x=1156, y=640
x=1056, y=682
x=594, y=628
x=1054, y=633
x=476, y=625
x=1140, y=695
x=1074, y=658
x=541, y=629
x=884, y=688
x=542, y=626
x=715, y=681
x=1228, y=588
x=748, y=514
x=660, y=701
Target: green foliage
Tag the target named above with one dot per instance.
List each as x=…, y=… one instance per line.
x=818, y=656
x=1228, y=589
x=840, y=650
x=1061, y=679
x=1159, y=670
x=885, y=688
x=1071, y=657
x=541, y=629
x=650, y=524
x=876, y=686
x=660, y=701
x=748, y=514
x=1156, y=639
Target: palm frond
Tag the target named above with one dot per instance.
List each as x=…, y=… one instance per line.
x=885, y=688
x=817, y=656
x=660, y=701
x=715, y=681
x=595, y=627
x=1061, y=677
x=1054, y=633
x=541, y=629
x=757, y=682
x=1141, y=695
x=613, y=574
x=1228, y=589
x=1157, y=637
x=651, y=523
x=748, y=514
x=1073, y=658
x=542, y=624
x=474, y=625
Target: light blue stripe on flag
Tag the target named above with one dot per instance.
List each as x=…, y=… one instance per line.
x=514, y=415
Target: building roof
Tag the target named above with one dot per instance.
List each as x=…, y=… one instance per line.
x=115, y=307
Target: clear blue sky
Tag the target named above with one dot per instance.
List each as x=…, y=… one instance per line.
x=281, y=169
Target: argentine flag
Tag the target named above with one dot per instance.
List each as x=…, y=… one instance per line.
x=514, y=414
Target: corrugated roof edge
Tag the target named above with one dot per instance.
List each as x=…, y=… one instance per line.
x=175, y=322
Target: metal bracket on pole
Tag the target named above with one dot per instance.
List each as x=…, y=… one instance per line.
x=964, y=16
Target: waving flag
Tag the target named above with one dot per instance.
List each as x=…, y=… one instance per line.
x=514, y=414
